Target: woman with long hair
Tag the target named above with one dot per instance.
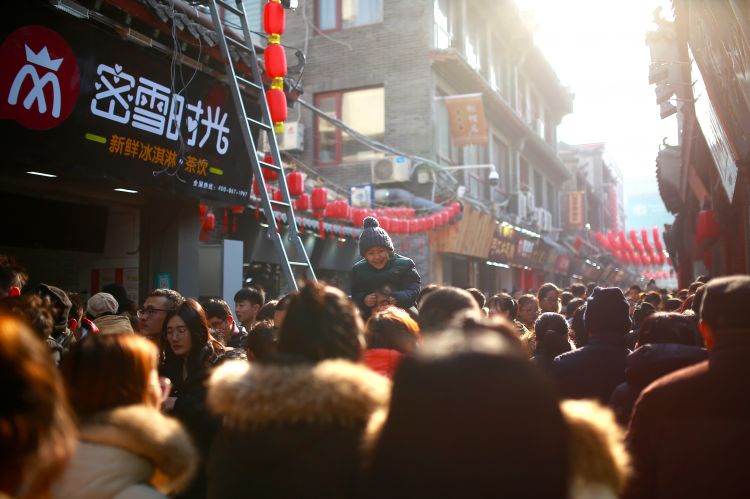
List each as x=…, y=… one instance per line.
x=293, y=422
x=37, y=433
x=127, y=448
x=189, y=355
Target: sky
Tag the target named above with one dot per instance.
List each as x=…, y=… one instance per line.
x=598, y=49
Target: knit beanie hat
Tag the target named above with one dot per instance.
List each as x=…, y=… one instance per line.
x=607, y=312
x=373, y=235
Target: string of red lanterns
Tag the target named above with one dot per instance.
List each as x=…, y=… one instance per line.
x=633, y=251
x=274, y=58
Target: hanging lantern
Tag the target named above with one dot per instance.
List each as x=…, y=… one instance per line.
x=274, y=18
x=274, y=58
x=319, y=198
x=707, y=216
x=277, y=107
x=302, y=203
x=386, y=223
x=202, y=209
x=455, y=209
x=295, y=182
x=269, y=175
x=209, y=222
x=236, y=210
x=358, y=216
x=330, y=210
x=277, y=196
x=274, y=24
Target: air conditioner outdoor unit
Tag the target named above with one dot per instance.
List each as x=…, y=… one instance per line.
x=390, y=169
x=517, y=204
x=530, y=204
x=293, y=138
x=549, y=221
x=540, y=218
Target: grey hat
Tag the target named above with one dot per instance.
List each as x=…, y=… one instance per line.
x=101, y=304
x=373, y=235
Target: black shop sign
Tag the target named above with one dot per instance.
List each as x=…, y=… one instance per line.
x=512, y=246
x=72, y=93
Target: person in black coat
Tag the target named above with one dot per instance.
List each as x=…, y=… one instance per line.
x=667, y=343
x=293, y=423
x=189, y=354
x=690, y=430
x=551, y=339
x=594, y=370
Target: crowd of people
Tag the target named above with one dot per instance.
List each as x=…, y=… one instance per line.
x=400, y=390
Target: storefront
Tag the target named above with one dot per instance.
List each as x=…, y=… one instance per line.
x=108, y=153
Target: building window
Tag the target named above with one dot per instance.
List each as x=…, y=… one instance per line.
x=473, y=49
x=444, y=143
x=500, y=153
x=442, y=24
x=538, y=190
x=363, y=110
x=334, y=15
x=497, y=59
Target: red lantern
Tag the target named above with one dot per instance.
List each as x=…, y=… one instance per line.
x=277, y=196
x=209, y=223
x=276, y=105
x=275, y=61
x=202, y=209
x=274, y=18
x=385, y=223
x=358, y=216
x=302, y=203
x=295, y=183
x=319, y=198
x=709, y=218
x=455, y=207
x=268, y=174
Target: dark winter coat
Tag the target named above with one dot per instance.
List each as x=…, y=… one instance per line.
x=399, y=278
x=592, y=371
x=646, y=365
x=690, y=431
x=190, y=407
x=238, y=338
x=291, y=431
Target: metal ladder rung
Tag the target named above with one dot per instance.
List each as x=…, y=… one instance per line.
x=279, y=203
x=269, y=166
x=232, y=9
x=238, y=43
x=249, y=83
x=298, y=264
x=260, y=124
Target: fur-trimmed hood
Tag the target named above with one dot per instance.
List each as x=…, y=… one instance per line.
x=331, y=392
x=129, y=448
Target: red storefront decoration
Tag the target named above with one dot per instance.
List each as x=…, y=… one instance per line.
x=295, y=183
x=275, y=61
x=269, y=175
x=274, y=24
